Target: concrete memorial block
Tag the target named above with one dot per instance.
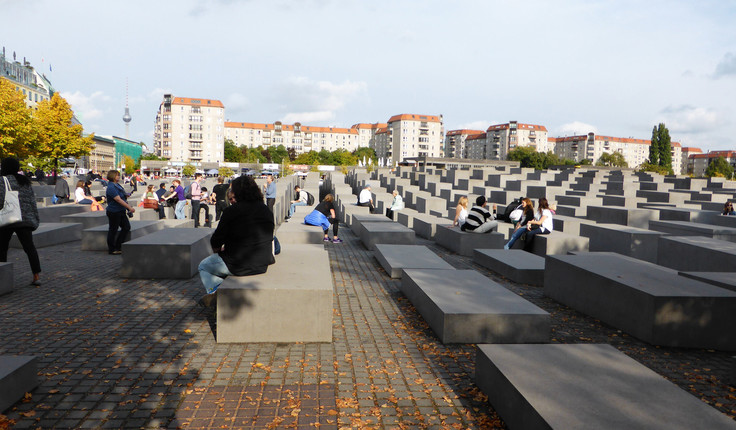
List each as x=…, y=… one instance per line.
x=685, y=228
x=725, y=280
x=87, y=219
x=144, y=214
x=435, y=188
x=7, y=279
x=373, y=233
x=54, y=213
x=696, y=254
x=52, y=233
x=426, y=203
x=359, y=218
x=635, y=242
x=517, y=265
x=406, y=217
x=463, y=242
x=95, y=239
x=18, y=376
x=291, y=302
x=425, y=226
x=686, y=214
x=395, y=258
x=650, y=302
x=179, y=223
x=173, y=253
x=585, y=386
x=568, y=224
x=556, y=242
x=572, y=211
x=463, y=306
x=725, y=221
x=297, y=233
x=623, y=216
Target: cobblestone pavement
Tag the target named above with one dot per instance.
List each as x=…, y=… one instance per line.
x=120, y=353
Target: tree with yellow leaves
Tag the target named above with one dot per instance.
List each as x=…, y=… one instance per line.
x=59, y=136
x=18, y=133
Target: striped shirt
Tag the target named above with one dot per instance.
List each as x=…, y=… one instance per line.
x=476, y=217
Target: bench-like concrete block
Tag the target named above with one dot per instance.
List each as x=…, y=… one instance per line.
x=569, y=224
x=585, y=386
x=463, y=242
x=281, y=305
x=87, y=219
x=95, y=239
x=359, y=218
x=296, y=232
x=696, y=254
x=54, y=213
x=7, y=279
x=373, y=233
x=173, y=253
x=650, y=302
x=425, y=226
x=395, y=258
x=622, y=215
x=463, y=306
x=634, y=242
x=517, y=265
x=52, y=233
x=179, y=223
x=725, y=280
x=18, y=375
x=555, y=242
x=685, y=228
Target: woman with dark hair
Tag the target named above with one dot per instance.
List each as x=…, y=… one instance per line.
x=323, y=215
x=242, y=240
x=543, y=222
x=9, y=169
x=117, y=206
x=728, y=209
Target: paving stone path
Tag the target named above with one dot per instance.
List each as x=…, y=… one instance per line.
x=141, y=354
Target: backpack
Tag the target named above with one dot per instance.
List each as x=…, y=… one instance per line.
x=310, y=198
x=188, y=192
x=516, y=204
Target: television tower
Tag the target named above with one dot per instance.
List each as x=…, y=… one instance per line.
x=126, y=116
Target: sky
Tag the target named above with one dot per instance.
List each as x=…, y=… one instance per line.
x=615, y=68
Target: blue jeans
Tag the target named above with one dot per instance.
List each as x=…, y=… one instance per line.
x=514, y=237
x=293, y=206
x=212, y=271
x=179, y=210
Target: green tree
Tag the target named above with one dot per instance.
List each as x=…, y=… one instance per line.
x=325, y=157
x=614, y=159
x=188, y=170
x=152, y=156
x=225, y=172
x=59, y=137
x=367, y=152
x=32, y=163
x=279, y=154
x=310, y=158
x=129, y=164
x=719, y=167
x=656, y=168
x=232, y=153
x=660, y=150
x=18, y=132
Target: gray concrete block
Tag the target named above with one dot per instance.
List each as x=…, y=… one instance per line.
x=464, y=243
x=463, y=306
x=179, y=223
x=18, y=375
x=686, y=214
x=623, y=216
x=95, y=239
x=373, y=233
x=52, y=233
x=395, y=258
x=685, y=228
x=585, y=386
x=7, y=279
x=425, y=226
x=425, y=204
x=696, y=253
x=281, y=305
x=359, y=218
x=514, y=264
x=725, y=280
x=296, y=232
x=650, y=302
x=173, y=253
x=635, y=242
x=569, y=224
x=87, y=219
x=54, y=213
x=555, y=242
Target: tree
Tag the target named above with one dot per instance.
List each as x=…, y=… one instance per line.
x=18, y=133
x=225, y=172
x=152, y=156
x=129, y=164
x=278, y=154
x=32, y=163
x=656, y=168
x=59, y=137
x=367, y=152
x=614, y=159
x=232, y=153
x=660, y=150
x=719, y=167
x=309, y=158
x=188, y=170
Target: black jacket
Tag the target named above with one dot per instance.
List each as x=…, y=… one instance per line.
x=246, y=230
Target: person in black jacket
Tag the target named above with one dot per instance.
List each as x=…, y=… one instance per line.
x=242, y=241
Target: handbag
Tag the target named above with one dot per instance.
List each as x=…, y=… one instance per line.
x=515, y=215
x=150, y=204
x=10, y=213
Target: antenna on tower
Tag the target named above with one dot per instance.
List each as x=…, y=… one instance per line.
x=126, y=117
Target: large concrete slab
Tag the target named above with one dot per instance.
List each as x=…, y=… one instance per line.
x=696, y=254
x=172, y=253
x=463, y=243
x=373, y=233
x=725, y=280
x=7, y=278
x=95, y=239
x=634, y=242
x=585, y=386
x=463, y=306
x=18, y=375
x=519, y=266
x=54, y=213
x=395, y=258
x=685, y=228
x=622, y=215
x=296, y=232
x=650, y=302
x=87, y=219
x=52, y=233
x=359, y=218
x=283, y=304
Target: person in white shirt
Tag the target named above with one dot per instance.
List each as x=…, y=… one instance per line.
x=365, y=198
x=541, y=224
x=300, y=199
x=396, y=205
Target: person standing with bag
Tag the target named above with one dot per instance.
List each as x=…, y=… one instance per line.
x=117, y=205
x=29, y=219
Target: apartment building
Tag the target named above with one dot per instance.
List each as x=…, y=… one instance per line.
x=33, y=85
x=687, y=161
x=502, y=138
x=190, y=130
x=475, y=146
x=411, y=135
x=455, y=142
x=592, y=146
x=700, y=162
x=367, y=133
x=300, y=137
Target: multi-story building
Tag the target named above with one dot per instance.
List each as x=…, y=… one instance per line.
x=34, y=86
x=410, y=135
x=475, y=146
x=700, y=162
x=300, y=137
x=102, y=156
x=190, y=130
x=592, y=146
x=502, y=138
x=367, y=133
x=455, y=142
x=687, y=162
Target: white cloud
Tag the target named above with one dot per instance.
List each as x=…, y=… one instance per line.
x=88, y=107
x=236, y=102
x=727, y=66
x=308, y=117
x=476, y=125
x=575, y=128
x=317, y=100
x=689, y=119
